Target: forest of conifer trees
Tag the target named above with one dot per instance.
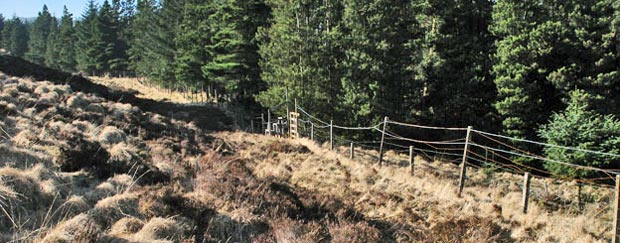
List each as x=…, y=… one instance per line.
x=544, y=70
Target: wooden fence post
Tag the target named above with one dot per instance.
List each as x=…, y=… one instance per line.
x=526, y=191
x=252, y=125
x=262, y=122
x=352, y=152
x=288, y=115
x=616, y=217
x=268, y=122
x=463, y=163
x=385, y=121
x=331, y=134
x=311, y=131
x=411, y=157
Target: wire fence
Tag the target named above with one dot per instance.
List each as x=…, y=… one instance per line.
x=465, y=146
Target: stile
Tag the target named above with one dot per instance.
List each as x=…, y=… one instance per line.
x=463, y=163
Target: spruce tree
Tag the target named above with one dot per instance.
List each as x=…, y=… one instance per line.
x=15, y=37
x=39, y=32
x=107, y=28
x=299, y=52
x=232, y=47
x=53, y=46
x=67, y=39
x=456, y=64
x=89, y=44
x=1, y=28
x=153, y=42
x=378, y=75
x=193, y=36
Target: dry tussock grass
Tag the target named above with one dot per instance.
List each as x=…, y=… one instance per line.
x=489, y=211
x=145, y=91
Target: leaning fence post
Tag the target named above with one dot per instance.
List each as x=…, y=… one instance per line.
x=411, y=159
x=351, y=152
x=463, y=166
x=331, y=134
x=385, y=121
x=526, y=191
x=616, y=217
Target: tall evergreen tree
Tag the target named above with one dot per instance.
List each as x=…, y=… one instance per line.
x=1, y=28
x=456, y=65
x=88, y=44
x=67, y=39
x=15, y=37
x=193, y=36
x=153, y=42
x=299, y=51
x=381, y=39
x=53, y=46
x=527, y=36
x=233, y=48
x=39, y=32
x=108, y=39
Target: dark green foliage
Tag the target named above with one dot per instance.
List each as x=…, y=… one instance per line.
x=194, y=34
x=39, y=32
x=15, y=37
x=89, y=53
x=66, y=41
x=152, y=46
x=580, y=127
x=459, y=89
x=232, y=47
x=299, y=51
x=546, y=50
x=1, y=27
x=382, y=46
x=52, y=46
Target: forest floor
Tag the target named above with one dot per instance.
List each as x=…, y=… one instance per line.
x=76, y=167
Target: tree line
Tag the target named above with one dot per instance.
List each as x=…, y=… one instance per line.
x=542, y=70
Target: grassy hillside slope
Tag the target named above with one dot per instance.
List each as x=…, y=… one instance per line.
x=77, y=166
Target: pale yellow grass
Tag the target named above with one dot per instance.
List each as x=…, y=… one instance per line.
x=429, y=197
x=145, y=90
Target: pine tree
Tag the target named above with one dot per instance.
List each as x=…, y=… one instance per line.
x=15, y=37
x=232, y=47
x=581, y=127
x=39, y=32
x=381, y=46
x=67, y=39
x=193, y=35
x=108, y=28
x=123, y=13
x=89, y=44
x=53, y=46
x=300, y=52
x=1, y=28
x=526, y=36
x=456, y=64
x=153, y=42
